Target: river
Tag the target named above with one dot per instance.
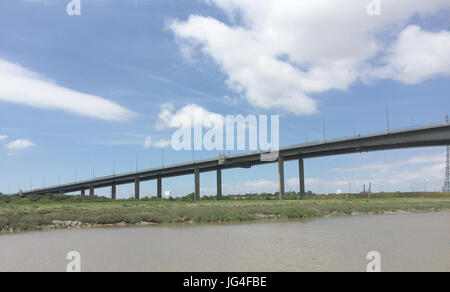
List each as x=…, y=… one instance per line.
x=406, y=242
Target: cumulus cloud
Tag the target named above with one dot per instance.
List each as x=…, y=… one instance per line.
x=190, y=115
x=149, y=143
x=278, y=53
x=259, y=186
x=382, y=166
x=428, y=177
x=22, y=86
x=256, y=186
x=3, y=137
x=161, y=143
x=416, y=56
x=416, y=173
x=19, y=144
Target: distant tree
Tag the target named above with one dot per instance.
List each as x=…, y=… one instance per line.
x=189, y=197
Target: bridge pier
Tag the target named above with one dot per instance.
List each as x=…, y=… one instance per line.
x=91, y=191
x=281, y=176
x=137, y=189
x=301, y=172
x=197, y=184
x=159, y=188
x=83, y=192
x=113, y=191
x=219, y=184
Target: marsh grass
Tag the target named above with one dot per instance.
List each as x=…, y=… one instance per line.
x=35, y=216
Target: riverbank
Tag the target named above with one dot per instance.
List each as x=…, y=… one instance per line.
x=16, y=218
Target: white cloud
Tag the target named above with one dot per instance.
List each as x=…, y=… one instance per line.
x=429, y=177
x=117, y=142
x=19, y=144
x=148, y=143
x=416, y=56
x=189, y=115
x=3, y=137
x=22, y=86
x=416, y=173
x=278, y=53
x=161, y=143
x=137, y=141
x=257, y=186
x=383, y=166
x=231, y=100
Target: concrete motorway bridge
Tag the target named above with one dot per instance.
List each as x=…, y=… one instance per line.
x=438, y=135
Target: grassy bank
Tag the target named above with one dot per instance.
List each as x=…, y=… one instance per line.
x=19, y=216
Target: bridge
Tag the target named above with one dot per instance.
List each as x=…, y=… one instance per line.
x=437, y=135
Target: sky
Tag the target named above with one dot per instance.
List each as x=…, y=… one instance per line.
x=87, y=95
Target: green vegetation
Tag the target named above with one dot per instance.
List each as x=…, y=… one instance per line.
x=61, y=211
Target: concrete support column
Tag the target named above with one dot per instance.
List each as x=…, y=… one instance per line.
x=281, y=176
x=219, y=184
x=159, y=187
x=137, y=188
x=113, y=191
x=91, y=191
x=197, y=184
x=301, y=172
x=83, y=192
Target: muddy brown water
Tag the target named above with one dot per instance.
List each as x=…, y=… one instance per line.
x=406, y=242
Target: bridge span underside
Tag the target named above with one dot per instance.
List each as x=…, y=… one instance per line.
x=438, y=135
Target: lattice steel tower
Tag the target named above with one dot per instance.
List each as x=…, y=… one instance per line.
x=447, y=169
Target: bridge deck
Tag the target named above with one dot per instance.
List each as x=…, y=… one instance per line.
x=438, y=135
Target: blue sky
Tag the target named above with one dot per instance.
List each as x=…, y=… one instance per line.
x=104, y=76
